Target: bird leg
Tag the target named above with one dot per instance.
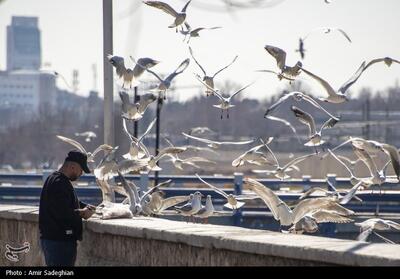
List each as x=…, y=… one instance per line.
x=222, y=113
x=227, y=113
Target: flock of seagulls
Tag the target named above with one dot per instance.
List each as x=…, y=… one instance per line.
x=309, y=210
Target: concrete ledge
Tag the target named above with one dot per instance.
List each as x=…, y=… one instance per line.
x=155, y=241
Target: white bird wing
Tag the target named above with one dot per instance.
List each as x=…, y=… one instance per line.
x=172, y=201
x=216, y=189
x=198, y=64
x=350, y=194
x=240, y=90
x=353, y=78
x=197, y=160
x=198, y=139
x=216, y=142
x=148, y=129
x=287, y=123
x=129, y=189
x=103, y=147
x=325, y=216
x=185, y=63
x=118, y=63
x=312, y=190
x=74, y=143
x=279, y=102
x=392, y=224
x=394, y=157
x=308, y=206
x=343, y=33
x=162, y=6
x=377, y=60
x=325, y=84
x=145, y=101
x=234, y=59
x=315, y=104
x=169, y=150
x=270, y=151
x=366, y=158
x=305, y=118
x=278, y=208
x=278, y=54
x=297, y=160
x=126, y=166
x=363, y=236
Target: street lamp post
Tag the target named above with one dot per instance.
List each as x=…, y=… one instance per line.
x=108, y=73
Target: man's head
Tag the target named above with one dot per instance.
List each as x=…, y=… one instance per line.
x=76, y=163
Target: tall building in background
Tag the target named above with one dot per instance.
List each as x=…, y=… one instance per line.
x=23, y=44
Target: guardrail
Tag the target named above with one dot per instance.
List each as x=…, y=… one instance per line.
x=13, y=192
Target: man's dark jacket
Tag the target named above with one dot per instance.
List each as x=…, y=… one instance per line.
x=58, y=219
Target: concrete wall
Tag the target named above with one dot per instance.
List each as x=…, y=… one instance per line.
x=144, y=241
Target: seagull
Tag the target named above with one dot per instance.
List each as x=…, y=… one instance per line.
x=338, y=96
x=163, y=204
x=234, y=201
x=89, y=135
x=191, y=147
x=225, y=102
x=178, y=162
x=309, y=222
x=307, y=119
x=370, y=146
x=301, y=48
x=253, y=156
x=297, y=96
x=179, y=17
x=367, y=227
x=90, y=156
x=206, y=211
x=281, y=172
x=387, y=60
x=57, y=74
x=137, y=202
x=280, y=57
x=327, y=30
x=128, y=75
x=216, y=144
x=335, y=195
x=137, y=149
x=165, y=84
x=378, y=177
x=192, y=33
x=282, y=213
x=209, y=80
x=152, y=160
x=192, y=207
x=135, y=111
x=109, y=167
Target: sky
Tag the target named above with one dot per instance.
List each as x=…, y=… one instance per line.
x=72, y=39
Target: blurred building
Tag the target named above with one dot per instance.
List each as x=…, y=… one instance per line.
x=23, y=44
x=23, y=87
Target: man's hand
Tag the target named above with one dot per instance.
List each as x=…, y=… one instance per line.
x=86, y=212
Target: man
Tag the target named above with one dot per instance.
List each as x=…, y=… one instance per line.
x=61, y=213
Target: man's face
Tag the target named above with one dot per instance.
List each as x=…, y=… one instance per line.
x=76, y=172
